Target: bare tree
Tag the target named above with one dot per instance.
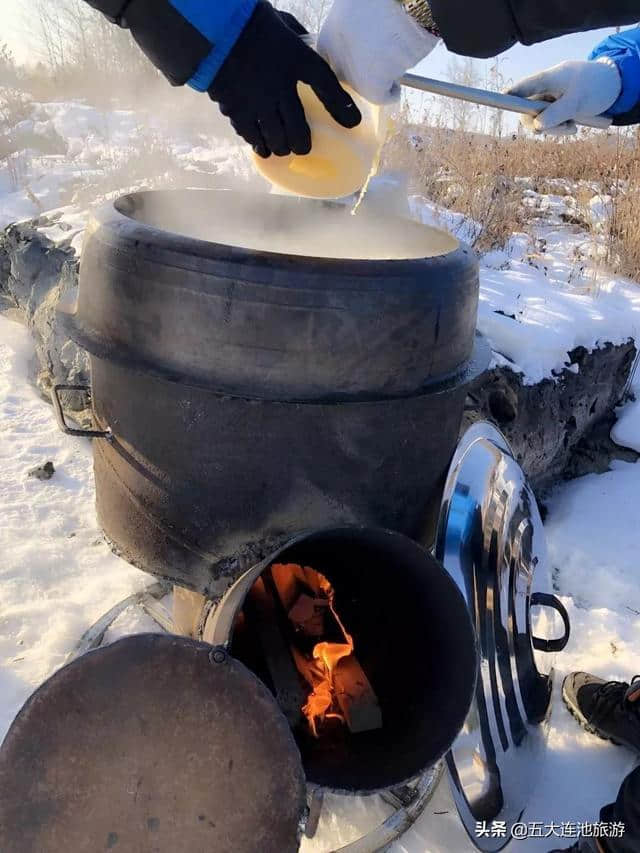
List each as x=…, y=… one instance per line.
x=463, y=116
x=310, y=13
x=496, y=82
x=9, y=73
x=49, y=34
x=73, y=39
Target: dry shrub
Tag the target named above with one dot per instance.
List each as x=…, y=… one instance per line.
x=477, y=175
x=624, y=235
x=623, y=231
x=463, y=172
x=15, y=106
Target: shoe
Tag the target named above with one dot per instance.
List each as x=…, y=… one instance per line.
x=608, y=709
x=585, y=845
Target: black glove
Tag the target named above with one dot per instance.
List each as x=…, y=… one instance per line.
x=256, y=85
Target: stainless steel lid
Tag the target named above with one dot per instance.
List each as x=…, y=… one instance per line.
x=491, y=540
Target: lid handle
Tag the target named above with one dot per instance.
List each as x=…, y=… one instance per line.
x=544, y=599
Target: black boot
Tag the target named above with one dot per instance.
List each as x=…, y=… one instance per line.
x=585, y=845
x=609, y=709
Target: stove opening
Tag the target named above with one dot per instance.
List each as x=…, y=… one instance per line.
x=367, y=645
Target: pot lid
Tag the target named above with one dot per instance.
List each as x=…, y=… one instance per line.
x=491, y=541
x=153, y=743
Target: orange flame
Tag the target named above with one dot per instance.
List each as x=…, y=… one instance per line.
x=317, y=671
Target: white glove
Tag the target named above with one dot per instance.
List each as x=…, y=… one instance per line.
x=580, y=90
x=371, y=43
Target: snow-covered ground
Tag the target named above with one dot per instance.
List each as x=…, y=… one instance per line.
x=104, y=150
x=552, y=294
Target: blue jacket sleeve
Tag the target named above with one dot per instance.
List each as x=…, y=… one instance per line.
x=220, y=22
x=624, y=49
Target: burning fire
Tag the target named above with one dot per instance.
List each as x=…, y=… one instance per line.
x=330, y=668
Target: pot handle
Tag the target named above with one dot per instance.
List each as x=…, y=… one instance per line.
x=545, y=599
x=57, y=407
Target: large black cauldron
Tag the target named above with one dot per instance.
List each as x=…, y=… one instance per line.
x=249, y=395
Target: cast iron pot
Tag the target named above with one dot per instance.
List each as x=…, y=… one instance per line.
x=244, y=396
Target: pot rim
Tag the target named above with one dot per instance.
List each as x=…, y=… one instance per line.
x=114, y=213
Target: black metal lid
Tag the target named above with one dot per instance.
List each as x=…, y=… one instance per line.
x=154, y=743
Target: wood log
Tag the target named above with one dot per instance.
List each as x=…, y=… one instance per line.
x=289, y=581
x=355, y=696
x=187, y=611
x=290, y=692
x=308, y=613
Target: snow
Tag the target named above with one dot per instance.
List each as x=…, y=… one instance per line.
x=600, y=211
x=101, y=146
x=57, y=576
x=541, y=296
x=545, y=295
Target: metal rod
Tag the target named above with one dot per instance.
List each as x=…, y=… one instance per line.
x=486, y=98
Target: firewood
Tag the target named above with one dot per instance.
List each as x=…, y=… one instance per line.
x=290, y=693
x=187, y=611
x=308, y=613
x=289, y=580
x=355, y=696
x=291, y=583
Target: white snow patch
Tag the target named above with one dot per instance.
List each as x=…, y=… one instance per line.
x=57, y=576
x=593, y=539
x=600, y=211
x=553, y=301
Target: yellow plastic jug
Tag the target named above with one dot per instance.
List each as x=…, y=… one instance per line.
x=340, y=161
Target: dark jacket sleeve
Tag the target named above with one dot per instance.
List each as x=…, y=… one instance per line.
x=113, y=9
x=486, y=28
x=158, y=27
x=188, y=40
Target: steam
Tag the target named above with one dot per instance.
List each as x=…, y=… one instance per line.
x=176, y=138
x=287, y=225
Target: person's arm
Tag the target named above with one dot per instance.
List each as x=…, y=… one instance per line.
x=623, y=50
x=371, y=43
x=485, y=29
x=187, y=40
x=245, y=55
x=607, y=83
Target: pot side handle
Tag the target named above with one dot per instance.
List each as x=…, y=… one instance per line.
x=60, y=418
x=544, y=599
